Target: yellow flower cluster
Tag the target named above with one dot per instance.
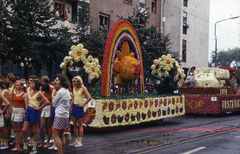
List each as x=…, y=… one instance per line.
x=181, y=76
x=78, y=53
x=66, y=64
x=165, y=63
x=134, y=107
x=92, y=67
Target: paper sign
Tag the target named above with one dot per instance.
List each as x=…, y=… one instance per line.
x=92, y=104
x=213, y=99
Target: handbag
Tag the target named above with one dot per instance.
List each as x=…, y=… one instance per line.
x=67, y=137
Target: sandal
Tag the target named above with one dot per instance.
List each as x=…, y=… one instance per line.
x=41, y=145
x=16, y=148
x=46, y=145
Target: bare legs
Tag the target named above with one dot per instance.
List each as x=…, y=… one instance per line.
x=59, y=140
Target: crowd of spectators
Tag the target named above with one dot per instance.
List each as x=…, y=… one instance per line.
x=133, y=88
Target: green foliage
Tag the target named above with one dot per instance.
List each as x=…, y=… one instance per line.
x=33, y=41
x=93, y=39
x=153, y=44
x=226, y=58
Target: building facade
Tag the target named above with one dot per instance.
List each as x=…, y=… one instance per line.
x=186, y=23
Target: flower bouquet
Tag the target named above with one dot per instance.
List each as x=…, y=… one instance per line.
x=167, y=70
x=78, y=54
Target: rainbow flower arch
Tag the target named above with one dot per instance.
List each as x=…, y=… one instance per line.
x=121, y=31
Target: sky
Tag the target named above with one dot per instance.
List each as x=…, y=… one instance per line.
x=228, y=32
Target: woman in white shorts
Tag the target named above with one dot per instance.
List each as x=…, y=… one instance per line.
x=20, y=104
x=46, y=122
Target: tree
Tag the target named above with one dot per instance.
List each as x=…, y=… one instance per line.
x=33, y=41
x=153, y=44
x=226, y=58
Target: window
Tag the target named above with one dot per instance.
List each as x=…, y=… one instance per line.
x=127, y=1
x=184, y=50
x=142, y=3
x=154, y=6
x=103, y=21
x=185, y=25
x=185, y=2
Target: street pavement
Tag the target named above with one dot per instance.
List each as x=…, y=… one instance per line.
x=186, y=134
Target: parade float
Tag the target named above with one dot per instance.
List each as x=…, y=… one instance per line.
x=213, y=94
x=123, y=60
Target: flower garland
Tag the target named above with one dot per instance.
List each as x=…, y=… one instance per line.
x=78, y=53
x=109, y=113
x=164, y=65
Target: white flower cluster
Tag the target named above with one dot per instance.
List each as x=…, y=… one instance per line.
x=78, y=53
x=92, y=67
x=163, y=65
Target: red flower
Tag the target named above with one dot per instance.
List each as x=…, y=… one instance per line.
x=159, y=112
x=173, y=101
x=138, y=116
x=146, y=104
x=137, y=69
x=113, y=118
x=156, y=102
x=89, y=116
x=124, y=105
x=181, y=100
x=177, y=109
x=149, y=114
x=127, y=117
x=165, y=102
x=135, y=105
x=168, y=111
x=110, y=106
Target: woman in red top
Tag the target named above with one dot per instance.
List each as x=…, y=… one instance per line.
x=20, y=104
x=46, y=122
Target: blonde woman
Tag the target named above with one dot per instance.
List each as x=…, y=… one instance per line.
x=3, y=108
x=79, y=92
x=18, y=109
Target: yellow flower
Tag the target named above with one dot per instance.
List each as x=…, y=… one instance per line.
x=63, y=65
x=156, y=67
x=79, y=52
x=167, y=62
x=93, y=68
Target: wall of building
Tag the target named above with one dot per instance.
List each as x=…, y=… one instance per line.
x=197, y=34
x=120, y=8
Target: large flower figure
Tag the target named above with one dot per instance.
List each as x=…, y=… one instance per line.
x=167, y=62
x=93, y=68
x=78, y=52
x=167, y=68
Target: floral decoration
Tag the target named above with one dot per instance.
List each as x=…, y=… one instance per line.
x=109, y=113
x=167, y=68
x=92, y=67
x=121, y=31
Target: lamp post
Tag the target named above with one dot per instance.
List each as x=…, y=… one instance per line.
x=215, y=34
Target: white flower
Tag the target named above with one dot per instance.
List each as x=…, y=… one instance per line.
x=79, y=52
x=63, y=65
x=93, y=69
